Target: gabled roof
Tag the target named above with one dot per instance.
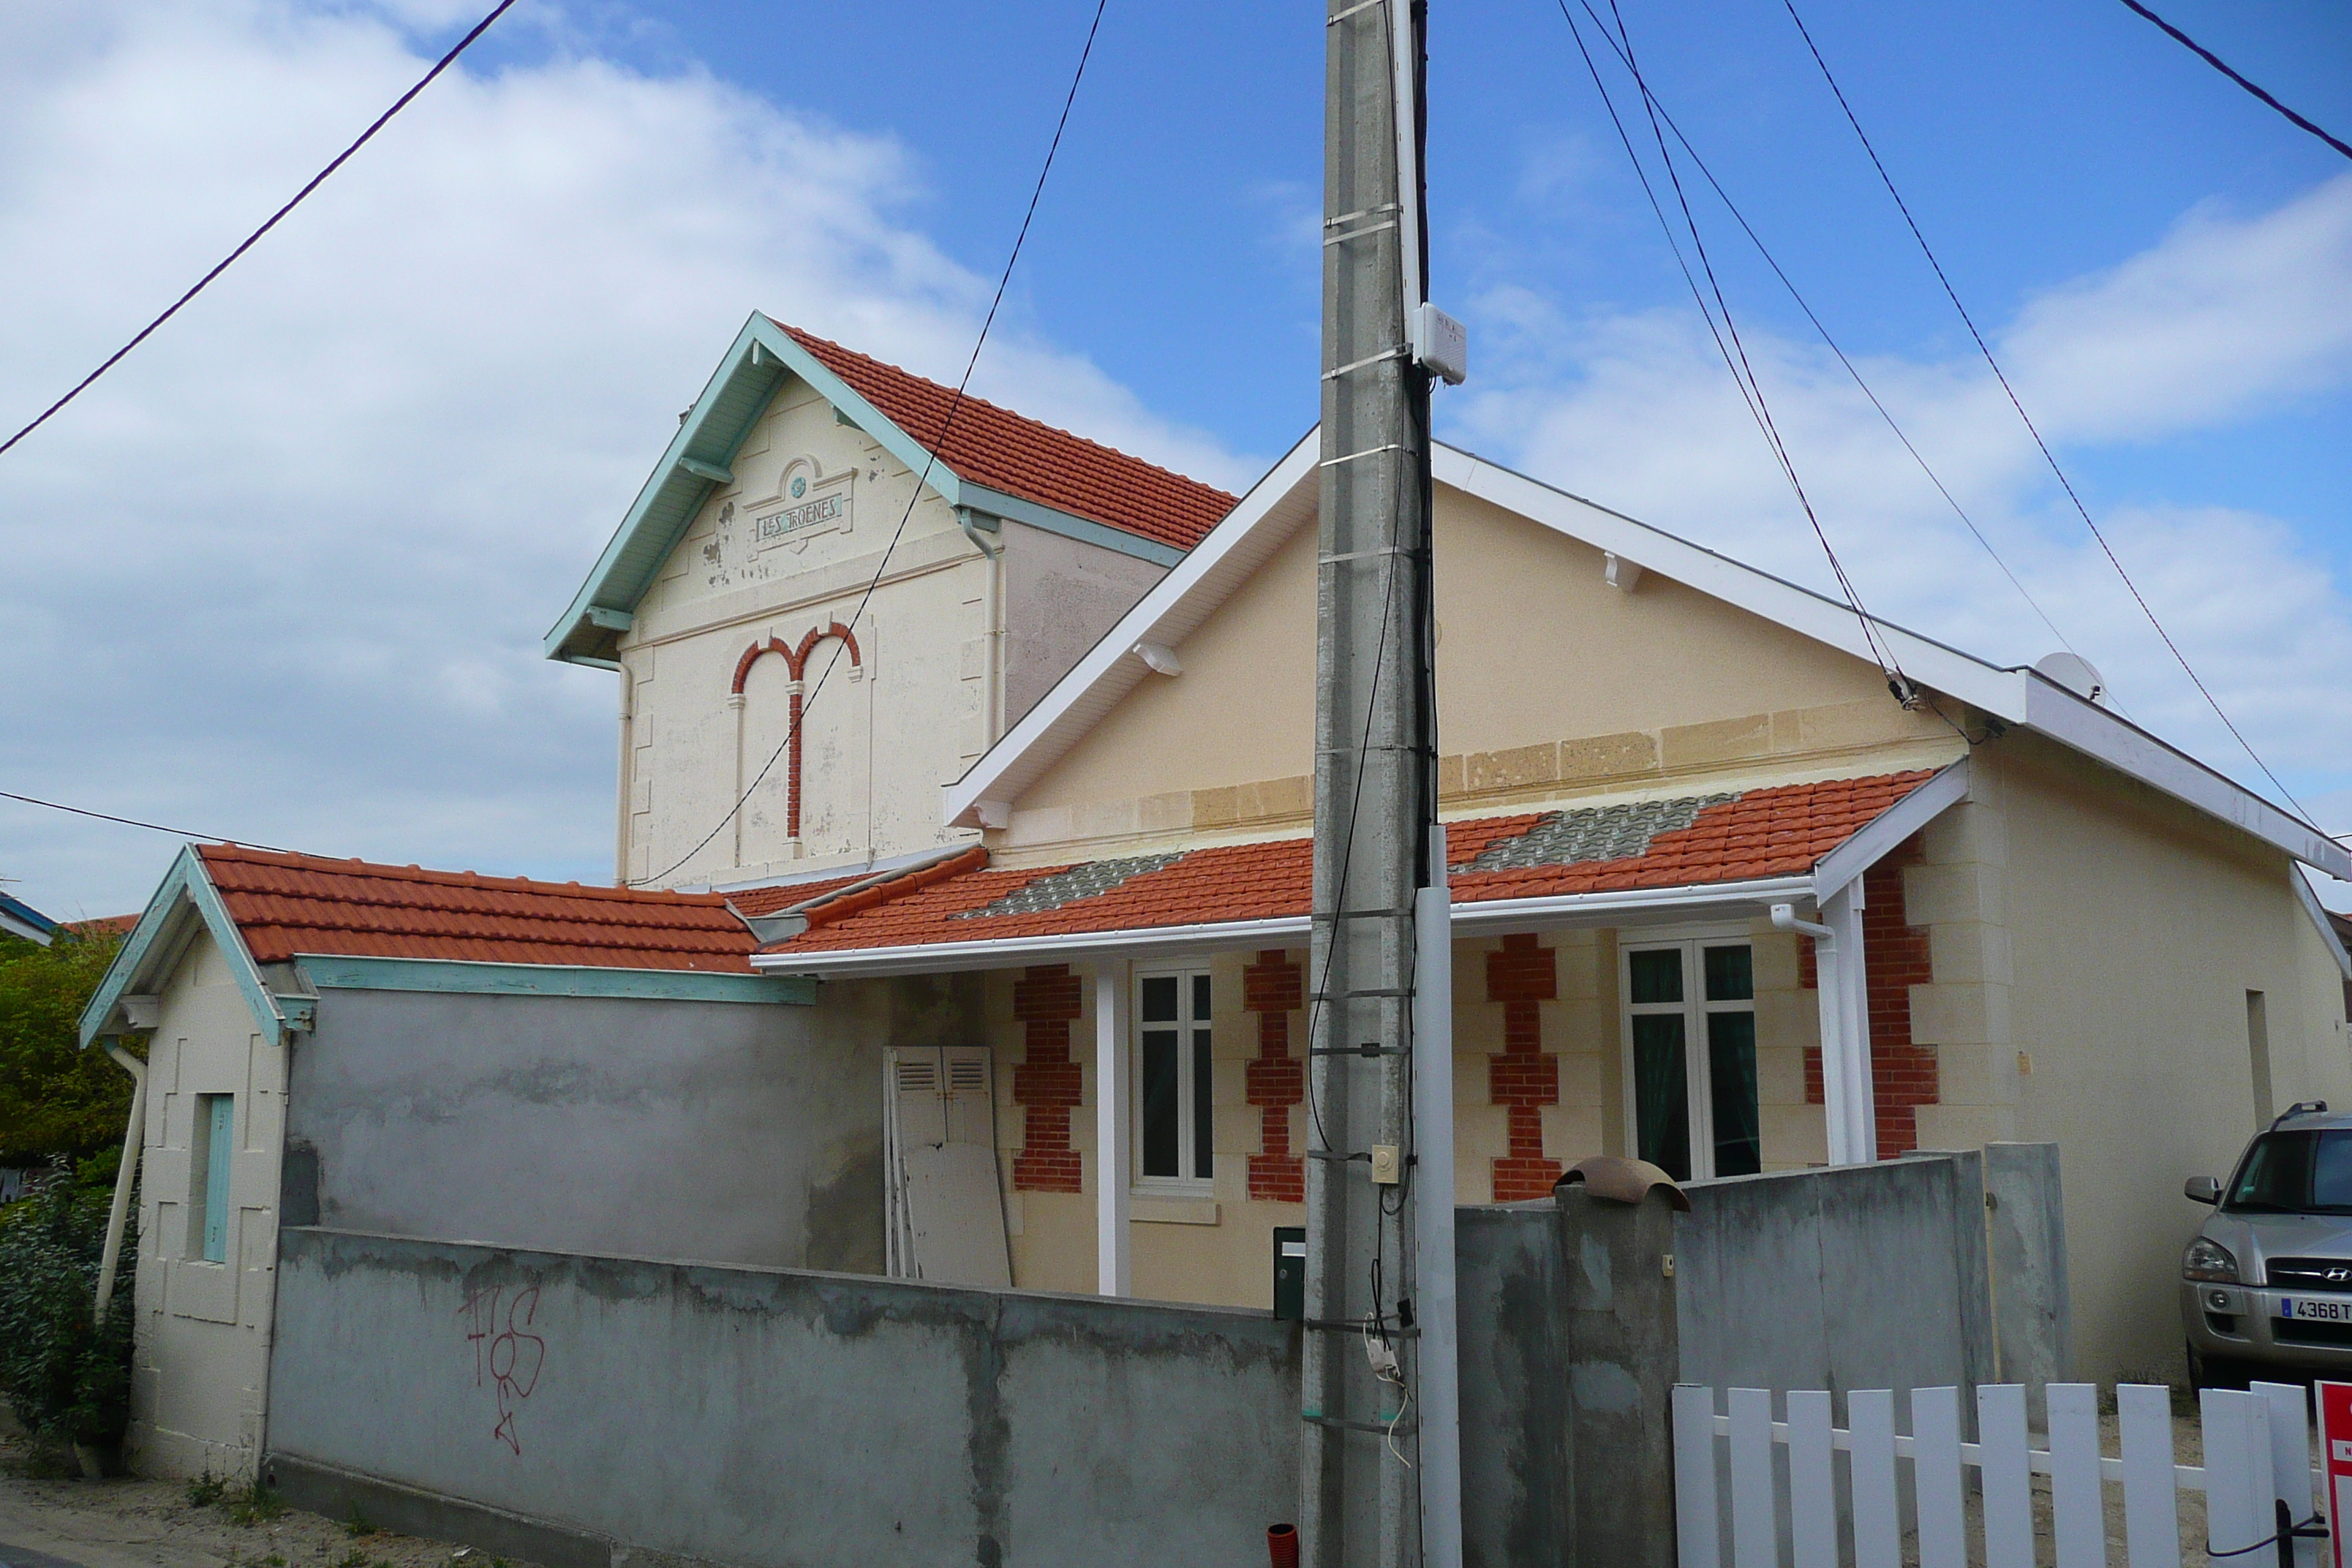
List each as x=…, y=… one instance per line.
x=1286, y=500
x=1629, y=846
x=288, y=904
x=995, y=462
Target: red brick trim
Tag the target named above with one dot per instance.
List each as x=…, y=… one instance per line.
x=1274, y=988
x=796, y=661
x=1897, y=957
x=1522, y=976
x=1048, y=1085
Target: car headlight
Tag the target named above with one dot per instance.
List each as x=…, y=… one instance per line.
x=2208, y=1260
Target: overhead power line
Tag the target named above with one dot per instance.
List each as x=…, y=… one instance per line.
x=225, y=262
x=134, y=822
x=931, y=460
x=2211, y=59
x=2047, y=455
x=1851, y=369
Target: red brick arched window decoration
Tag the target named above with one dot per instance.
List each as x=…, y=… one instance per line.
x=796, y=662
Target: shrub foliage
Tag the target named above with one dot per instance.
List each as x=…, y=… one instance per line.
x=65, y=1376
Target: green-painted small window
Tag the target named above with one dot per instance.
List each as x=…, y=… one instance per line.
x=216, y=1141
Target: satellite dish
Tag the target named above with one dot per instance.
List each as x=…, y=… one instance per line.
x=2076, y=674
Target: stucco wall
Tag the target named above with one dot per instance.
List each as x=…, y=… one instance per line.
x=1609, y=690
x=768, y=1417
x=729, y=1132
x=2093, y=944
x=1061, y=595
x=199, y=1379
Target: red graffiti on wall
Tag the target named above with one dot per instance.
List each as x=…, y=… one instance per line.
x=506, y=1352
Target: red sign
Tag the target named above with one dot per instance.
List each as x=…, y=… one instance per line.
x=2335, y=1459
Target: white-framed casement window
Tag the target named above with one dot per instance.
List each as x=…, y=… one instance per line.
x=1174, y=1109
x=1690, y=1053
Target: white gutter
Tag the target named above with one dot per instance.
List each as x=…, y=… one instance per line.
x=134, y=1138
x=1469, y=919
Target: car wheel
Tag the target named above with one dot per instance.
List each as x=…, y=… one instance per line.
x=2214, y=1371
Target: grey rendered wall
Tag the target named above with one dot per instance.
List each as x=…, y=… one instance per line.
x=588, y=1411
x=734, y=1133
x=1060, y=595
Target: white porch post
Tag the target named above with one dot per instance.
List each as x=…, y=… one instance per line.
x=1834, y=958
x=1842, y=911
x=1113, y=1274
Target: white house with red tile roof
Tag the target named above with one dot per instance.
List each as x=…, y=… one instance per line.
x=736, y=590
x=2054, y=925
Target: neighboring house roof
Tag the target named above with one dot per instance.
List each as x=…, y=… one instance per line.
x=995, y=464
x=1286, y=500
x=288, y=904
x=1629, y=847
x=18, y=918
x=103, y=925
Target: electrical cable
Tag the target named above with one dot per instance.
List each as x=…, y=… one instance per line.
x=2048, y=457
x=134, y=822
x=1751, y=394
x=934, y=443
x=2211, y=59
x=317, y=179
x=1851, y=369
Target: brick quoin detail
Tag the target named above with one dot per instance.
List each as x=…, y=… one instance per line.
x=1274, y=988
x=1522, y=976
x=1048, y=1084
x=1903, y=1075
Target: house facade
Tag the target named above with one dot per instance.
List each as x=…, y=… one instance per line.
x=963, y=736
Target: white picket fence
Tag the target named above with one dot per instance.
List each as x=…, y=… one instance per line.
x=2257, y=1451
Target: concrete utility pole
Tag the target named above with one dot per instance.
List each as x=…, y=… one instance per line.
x=1375, y=801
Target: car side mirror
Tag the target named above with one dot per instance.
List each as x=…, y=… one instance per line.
x=2201, y=1190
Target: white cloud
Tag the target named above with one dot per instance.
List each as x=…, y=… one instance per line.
x=283, y=574
x=2225, y=318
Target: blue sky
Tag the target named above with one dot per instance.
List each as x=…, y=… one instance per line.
x=297, y=552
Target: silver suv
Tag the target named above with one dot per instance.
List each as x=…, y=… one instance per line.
x=2269, y=1278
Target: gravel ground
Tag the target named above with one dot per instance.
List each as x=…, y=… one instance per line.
x=45, y=1512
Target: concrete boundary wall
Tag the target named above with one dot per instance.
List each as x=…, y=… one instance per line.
x=593, y=1411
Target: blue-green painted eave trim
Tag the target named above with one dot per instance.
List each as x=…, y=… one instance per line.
x=185, y=887
x=980, y=498
x=449, y=977
x=760, y=360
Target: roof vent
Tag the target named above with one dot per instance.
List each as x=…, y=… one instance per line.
x=2076, y=674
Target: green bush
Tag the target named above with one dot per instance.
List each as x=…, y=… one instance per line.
x=66, y=1377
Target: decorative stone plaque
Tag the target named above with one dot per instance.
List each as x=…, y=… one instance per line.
x=808, y=502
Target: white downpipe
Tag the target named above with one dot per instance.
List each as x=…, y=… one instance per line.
x=134, y=1138
x=1433, y=1218
x=1843, y=910
x=1114, y=1268
x=1837, y=1078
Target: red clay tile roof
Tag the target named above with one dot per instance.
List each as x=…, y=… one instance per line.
x=102, y=925
x=1004, y=451
x=290, y=904
x=757, y=902
x=1778, y=832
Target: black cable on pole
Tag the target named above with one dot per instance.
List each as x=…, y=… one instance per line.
x=930, y=456
x=134, y=822
x=316, y=181
x=2211, y=59
x=2047, y=455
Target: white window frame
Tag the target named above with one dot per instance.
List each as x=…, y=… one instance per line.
x=1191, y=1184
x=1697, y=1068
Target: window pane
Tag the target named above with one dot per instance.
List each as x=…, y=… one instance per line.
x=1657, y=975
x=1204, y=1105
x=2331, y=1173
x=1731, y=1082
x=1159, y=996
x=1163, y=1123
x=1662, y=1091
x=1200, y=999
x=1730, y=974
